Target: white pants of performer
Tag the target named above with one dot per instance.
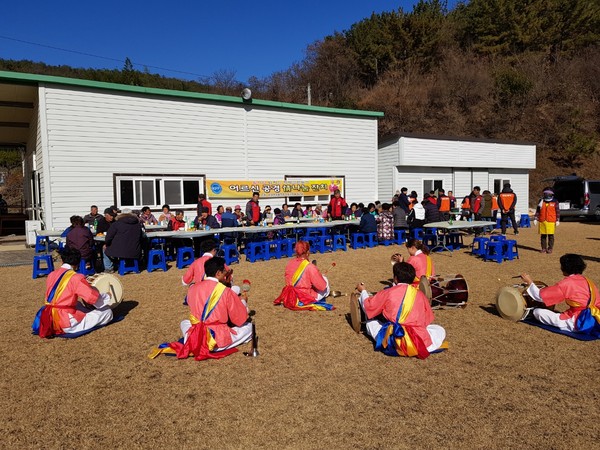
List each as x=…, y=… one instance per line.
x=102, y=315
x=325, y=292
x=243, y=334
x=436, y=332
x=546, y=316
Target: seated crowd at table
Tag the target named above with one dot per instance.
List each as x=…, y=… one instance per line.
x=124, y=230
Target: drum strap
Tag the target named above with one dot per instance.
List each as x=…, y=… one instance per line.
x=299, y=272
x=48, y=314
x=428, y=270
x=589, y=319
x=395, y=339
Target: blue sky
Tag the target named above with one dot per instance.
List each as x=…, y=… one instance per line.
x=252, y=38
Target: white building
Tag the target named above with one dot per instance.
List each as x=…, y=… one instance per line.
x=425, y=163
x=101, y=143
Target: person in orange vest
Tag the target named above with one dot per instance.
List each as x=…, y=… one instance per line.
x=465, y=206
x=495, y=206
x=443, y=204
x=507, y=200
x=548, y=216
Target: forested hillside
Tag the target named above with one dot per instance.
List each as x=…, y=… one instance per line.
x=508, y=69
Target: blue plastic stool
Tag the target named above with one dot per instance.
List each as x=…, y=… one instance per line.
x=254, y=251
x=497, y=237
x=230, y=253
x=83, y=270
x=41, y=243
x=339, y=242
x=479, y=244
x=325, y=244
x=185, y=257
x=286, y=246
x=272, y=249
x=430, y=239
x=494, y=251
x=315, y=244
x=511, y=251
x=357, y=241
x=157, y=242
x=38, y=270
x=417, y=233
x=400, y=236
x=371, y=240
x=127, y=265
x=454, y=241
x=525, y=222
x=157, y=260
x=498, y=223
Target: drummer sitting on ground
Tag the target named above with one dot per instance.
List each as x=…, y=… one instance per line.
x=409, y=330
x=577, y=291
x=62, y=313
x=419, y=258
x=306, y=288
x=213, y=306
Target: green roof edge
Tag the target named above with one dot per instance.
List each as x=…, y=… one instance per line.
x=28, y=78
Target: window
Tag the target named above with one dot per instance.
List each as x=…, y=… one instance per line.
x=178, y=191
x=432, y=185
x=312, y=199
x=499, y=184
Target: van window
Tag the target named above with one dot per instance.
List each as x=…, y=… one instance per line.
x=569, y=191
x=594, y=187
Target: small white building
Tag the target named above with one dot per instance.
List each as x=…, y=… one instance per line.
x=100, y=143
x=426, y=163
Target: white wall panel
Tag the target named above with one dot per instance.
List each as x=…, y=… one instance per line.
x=468, y=154
x=94, y=134
x=387, y=162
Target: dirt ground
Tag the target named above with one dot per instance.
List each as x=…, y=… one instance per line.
x=316, y=384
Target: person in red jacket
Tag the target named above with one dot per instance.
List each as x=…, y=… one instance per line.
x=253, y=214
x=337, y=206
x=62, y=313
x=203, y=203
x=409, y=330
x=548, y=216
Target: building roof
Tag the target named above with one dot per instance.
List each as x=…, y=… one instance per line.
x=34, y=79
x=396, y=136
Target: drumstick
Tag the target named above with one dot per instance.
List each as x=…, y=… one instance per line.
x=329, y=268
x=114, y=294
x=516, y=276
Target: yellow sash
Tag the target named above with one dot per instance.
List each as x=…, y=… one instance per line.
x=406, y=307
x=212, y=302
x=299, y=271
x=59, y=291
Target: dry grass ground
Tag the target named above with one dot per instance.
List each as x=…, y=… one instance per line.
x=317, y=384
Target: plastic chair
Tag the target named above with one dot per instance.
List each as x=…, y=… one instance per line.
x=230, y=253
x=371, y=240
x=494, y=251
x=339, y=242
x=127, y=265
x=254, y=251
x=38, y=270
x=525, y=221
x=357, y=241
x=417, y=233
x=84, y=270
x=511, y=251
x=41, y=244
x=157, y=260
x=185, y=257
x=286, y=246
x=478, y=247
x=400, y=236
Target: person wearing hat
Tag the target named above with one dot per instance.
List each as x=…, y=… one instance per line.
x=105, y=222
x=408, y=329
x=507, y=200
x=577, y=291
x=237, y=210
x=547, y=214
